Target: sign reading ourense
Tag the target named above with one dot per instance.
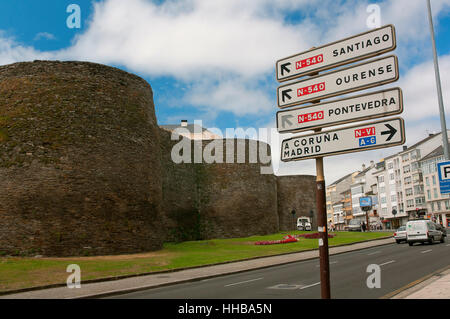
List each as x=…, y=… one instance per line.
x=358, y=47
x=354, y=78
x=357, y=138
x=352, y=109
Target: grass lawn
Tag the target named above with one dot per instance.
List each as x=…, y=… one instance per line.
x=25, y=272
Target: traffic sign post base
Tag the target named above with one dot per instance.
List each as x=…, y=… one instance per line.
x=323, y=232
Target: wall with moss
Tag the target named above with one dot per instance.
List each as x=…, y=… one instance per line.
x=79, y=160
x=85, y=170
x=297, y=192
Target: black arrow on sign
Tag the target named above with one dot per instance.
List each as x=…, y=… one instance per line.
x=285, y=119
x=391, y=131
x=285, y=94
x=284, y=68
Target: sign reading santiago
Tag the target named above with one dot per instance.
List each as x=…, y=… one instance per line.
x=358, y=47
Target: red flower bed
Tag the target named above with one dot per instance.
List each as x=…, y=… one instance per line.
x=287, y=239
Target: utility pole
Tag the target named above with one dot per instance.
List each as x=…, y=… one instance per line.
x=322, y=225
x=438, y=86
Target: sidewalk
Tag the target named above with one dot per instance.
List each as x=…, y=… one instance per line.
x=162, y=279
x=435, y=287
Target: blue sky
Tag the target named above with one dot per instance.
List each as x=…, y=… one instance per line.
x=214, y=60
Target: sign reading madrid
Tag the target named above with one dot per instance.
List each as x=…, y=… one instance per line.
x=352, y=109
x=362, y=137
x=361, y=46
x=350, y=79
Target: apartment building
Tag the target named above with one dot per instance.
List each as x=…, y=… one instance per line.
x=437, y=204
x=400, y=183
x=334, y=196
x=364, y=185
x=338, y=216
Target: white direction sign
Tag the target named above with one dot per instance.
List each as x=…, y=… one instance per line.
x=362, y=137
x=361, y=46
x=354, y=78
x=351, y=109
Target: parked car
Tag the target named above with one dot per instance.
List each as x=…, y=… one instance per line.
x=304, y=223
x=354, y=225
x=422, y=231
x=400, y=234
x=442, y=229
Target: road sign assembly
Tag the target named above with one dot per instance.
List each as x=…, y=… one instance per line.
x=320, y=114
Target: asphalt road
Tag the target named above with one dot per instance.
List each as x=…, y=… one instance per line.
x=400, y=265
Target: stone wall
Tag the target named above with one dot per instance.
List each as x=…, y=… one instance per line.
x=217, y=200
x=85, y=170
x=297, y=193
x=79, y=161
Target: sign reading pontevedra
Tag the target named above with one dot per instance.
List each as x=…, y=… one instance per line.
x=362, y=137
x=354, y=78
x=361, y=46
x=363, y=107
x=443, y=169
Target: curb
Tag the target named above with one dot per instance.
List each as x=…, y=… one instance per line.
x=414, y=284
x=106, y=279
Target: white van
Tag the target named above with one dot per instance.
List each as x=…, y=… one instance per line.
x=304, y=223
x=422, y=231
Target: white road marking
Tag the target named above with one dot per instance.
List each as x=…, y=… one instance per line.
x=447, y=245
x=243, y=282
x=375, y=252
x=317, y=283
x=386, y=263
x=426, y=251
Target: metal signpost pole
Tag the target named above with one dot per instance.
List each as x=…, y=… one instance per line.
x=438, y=85
x=322, y=225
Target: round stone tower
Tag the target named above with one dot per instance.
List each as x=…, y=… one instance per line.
x=80, y=170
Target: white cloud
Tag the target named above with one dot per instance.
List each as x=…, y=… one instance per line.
x=44, y=35
x=11, y=51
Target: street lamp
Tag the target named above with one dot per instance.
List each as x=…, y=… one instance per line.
x=438, y=86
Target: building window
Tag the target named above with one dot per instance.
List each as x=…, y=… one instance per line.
x=391, y=176
x=382, y=190
x=407, y=180
x=405, y=157
x=427, y=181
x=380, y=179
x=439, y=206
x=390, y=165
x=420, y=200
x=410, y=203
x=447, y=204
x=393, y=198
x=428, y=194
x=383, y=200
x=435, y=193
x=406, y=169
x=409, y=191
x=418, y=190
x=434, y=179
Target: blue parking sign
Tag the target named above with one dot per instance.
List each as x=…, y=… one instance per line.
x=443, y=169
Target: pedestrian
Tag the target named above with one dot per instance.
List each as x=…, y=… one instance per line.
x=363, y=226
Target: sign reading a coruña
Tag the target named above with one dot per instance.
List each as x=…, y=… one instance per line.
x=351, y=109
x=362, y=137
x=354, y=78
x=358, y=47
